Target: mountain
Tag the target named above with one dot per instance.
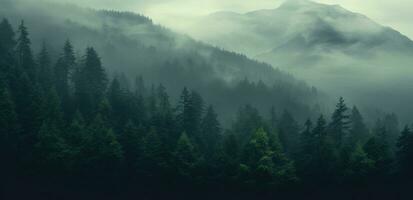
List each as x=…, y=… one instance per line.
x=133, y=45
x=342, y=52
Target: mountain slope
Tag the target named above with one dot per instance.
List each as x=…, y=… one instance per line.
x=133, y=45
x=339, y=51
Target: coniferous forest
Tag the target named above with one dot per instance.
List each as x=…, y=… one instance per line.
x=71, y=130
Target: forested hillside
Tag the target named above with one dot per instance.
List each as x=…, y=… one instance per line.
x=68, y=130
x=133, y=45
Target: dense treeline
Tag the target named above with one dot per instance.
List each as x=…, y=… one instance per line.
x=68, y=130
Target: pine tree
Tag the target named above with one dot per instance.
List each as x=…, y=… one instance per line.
x=196, y=111
x=247, y=122
x=289, y=133
x=51, y=109
x=257, y=148
x=24, y=53
x=44, y=72
x=90, y=85
x=9, y=131
x=405, y=152
x=29, y=101
x=378, y=150
x=185, y=157
x=131, y=140
x=164, y=119
x=339, y=124
x=183, y=108
x=7, y=44
x=359, y=132
x=155, y=157
x=101, y=151
x=7, y=41
x=64, y=73
x=361, y=166
x=323, y=163
x=211, y=131
x=50, y=149
x=118, y=101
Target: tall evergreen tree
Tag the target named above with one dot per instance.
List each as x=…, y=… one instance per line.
x=64, y=72
x=50, y=149
x=183, y=116
x=185, y=157
x=339, y=124
x=155, y=157
x=289, y=133
x=9, y=132
x=7, y=44
x=90, y=85
x=44, y=72
x=378, y=149
x=247, y=122
x=210, y=131
x=24, y=53
x=101, y=152
x=359, y=132
x=405, y=152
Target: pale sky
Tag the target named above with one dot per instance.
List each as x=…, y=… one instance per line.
x=397, y=14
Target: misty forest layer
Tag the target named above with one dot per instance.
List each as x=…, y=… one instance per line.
x=68, y=130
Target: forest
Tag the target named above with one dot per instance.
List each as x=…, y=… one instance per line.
x=71, y=130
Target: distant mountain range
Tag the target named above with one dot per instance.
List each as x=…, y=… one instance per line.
x=339, y=51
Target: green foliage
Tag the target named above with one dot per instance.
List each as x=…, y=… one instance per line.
x=405, y=152
x=24, y=53
x=77, y=132
x=50, y=149
x=90, y=84
x=185, y=156
x=101, y=152
x=339, y=125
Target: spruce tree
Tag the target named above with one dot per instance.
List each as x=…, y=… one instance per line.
x=7, y=44
x=101, y=152
x=90, y=85
x=361, y=166
x=185, y=157
x=155, y=157
x=9, y=131
x=44, y=72
x=289, y=134
x=359, y=132
x=24, y=53
x=211, y=131
x=65, y=77
x=50, y=149
x=339, y=125
x=131, y=140
x=405, y=152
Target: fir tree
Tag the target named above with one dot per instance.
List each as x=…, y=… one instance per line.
x=24, y=53
x=44, y=72
x=359, y=132
x=7, y=44
x=90, y=85
x=211, y=131
x=405, y=152
x=289, y=133
x=185, y=157
x=339, y=124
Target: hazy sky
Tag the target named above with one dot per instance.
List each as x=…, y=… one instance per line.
x=396, y=13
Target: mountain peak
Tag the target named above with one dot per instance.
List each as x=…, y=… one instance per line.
x=297, y=3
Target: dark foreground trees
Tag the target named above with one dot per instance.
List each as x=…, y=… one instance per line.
x=68, y=130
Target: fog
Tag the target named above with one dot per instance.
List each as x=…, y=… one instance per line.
x=177, y=13
x=204, y=99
